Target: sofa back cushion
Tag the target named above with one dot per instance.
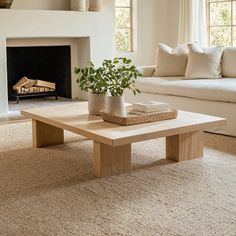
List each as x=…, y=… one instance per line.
x=229, y=62
x=171, y=61
x=203, y=63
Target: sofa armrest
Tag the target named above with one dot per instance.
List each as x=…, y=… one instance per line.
x=146, y=71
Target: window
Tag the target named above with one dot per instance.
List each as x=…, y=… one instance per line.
x=124, y=25
x=222, y=22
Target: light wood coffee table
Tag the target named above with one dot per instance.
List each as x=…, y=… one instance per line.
x=112, y=143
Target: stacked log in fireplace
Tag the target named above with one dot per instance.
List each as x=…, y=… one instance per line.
x=26, y=87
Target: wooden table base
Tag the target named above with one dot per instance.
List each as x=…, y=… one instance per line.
x=46, y=135
x=185, y=146
x=109, y=160
x=112, y=160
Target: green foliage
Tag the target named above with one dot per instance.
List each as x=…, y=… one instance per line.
x=120, y=75
x=114, y=76
x=91, y=79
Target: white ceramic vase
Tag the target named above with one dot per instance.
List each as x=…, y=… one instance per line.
x=115, y=105
x=96, y=103
x=95, y=5
x=78, y=5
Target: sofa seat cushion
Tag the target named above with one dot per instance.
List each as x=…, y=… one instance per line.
x=223, y=90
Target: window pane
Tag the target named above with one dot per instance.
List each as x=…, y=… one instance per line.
x=234, y=36
x=234, y=13
x=122, y=3
x=220, y=13
x=220, y=36
x=122, y=17
x=123, y=39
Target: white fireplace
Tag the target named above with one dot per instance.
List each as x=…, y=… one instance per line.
x=89, y=35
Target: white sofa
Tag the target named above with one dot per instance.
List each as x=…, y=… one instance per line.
x=208, y=96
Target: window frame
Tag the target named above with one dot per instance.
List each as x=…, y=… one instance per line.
x=131, y=28
x=231, y=25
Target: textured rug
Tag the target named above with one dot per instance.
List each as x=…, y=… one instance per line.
x=51, y=191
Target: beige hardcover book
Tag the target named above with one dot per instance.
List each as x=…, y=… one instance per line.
x=41, y=83
x=150, y=106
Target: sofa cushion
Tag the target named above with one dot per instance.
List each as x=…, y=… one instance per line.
x=223, y=90
x=229, y=62
x=204, y=63
x=146, y=71
x=171, y=62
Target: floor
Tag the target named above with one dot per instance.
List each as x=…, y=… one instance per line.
x=14, y=108
x=51, y=190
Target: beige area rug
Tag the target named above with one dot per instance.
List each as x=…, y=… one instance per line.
x=51, y=191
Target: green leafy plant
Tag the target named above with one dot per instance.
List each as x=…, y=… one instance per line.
x=91, y=79
x=114, y=76
x=120, y=75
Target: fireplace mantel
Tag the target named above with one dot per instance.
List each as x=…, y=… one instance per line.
x=91, y=32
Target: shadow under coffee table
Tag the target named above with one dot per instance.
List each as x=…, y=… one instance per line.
x=112, y=142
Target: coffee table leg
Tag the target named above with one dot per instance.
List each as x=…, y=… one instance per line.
x=46, y=135
x=110, y=160
x=185, y=146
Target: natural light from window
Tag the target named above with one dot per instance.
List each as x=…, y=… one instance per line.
x=222, y=22
x=124, y=28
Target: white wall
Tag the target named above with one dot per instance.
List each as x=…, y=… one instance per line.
x=157, y=21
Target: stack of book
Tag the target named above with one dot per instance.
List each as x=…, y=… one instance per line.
x=149, y=107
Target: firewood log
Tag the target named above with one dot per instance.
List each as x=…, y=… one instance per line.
x=24, y=82
x=41, y=83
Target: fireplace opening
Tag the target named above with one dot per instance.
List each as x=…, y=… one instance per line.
x=40, y=63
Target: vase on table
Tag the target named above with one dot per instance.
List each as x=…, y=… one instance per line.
x=116, y=106
x=96, y=103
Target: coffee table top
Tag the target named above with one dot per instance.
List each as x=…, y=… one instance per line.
x=75, y=118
